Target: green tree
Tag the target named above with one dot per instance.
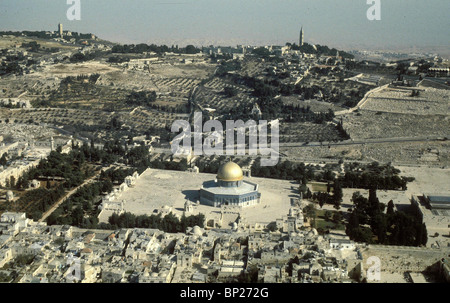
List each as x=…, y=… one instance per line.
x=261, y=52
x=77, y=216
x=36, y=215
x=303, y=189
x=390, y=208
x=337, y=194
x=190, y=49
x=337, y=217
x=107, y=186
x=310, y=213
x=374, y=206
x=362, y=234
x=379, y=227
x=3, y=159
x=328, y=215
x=230, y=91
x=422, y=235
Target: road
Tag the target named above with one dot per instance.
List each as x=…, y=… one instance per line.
x=346, y=142
x=365, y=141
x=67, y=196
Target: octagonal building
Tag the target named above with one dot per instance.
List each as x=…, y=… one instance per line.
x=229, y=188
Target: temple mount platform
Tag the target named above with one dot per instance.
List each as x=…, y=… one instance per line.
x=163, y=191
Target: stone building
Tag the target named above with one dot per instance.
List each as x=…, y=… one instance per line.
x=229, y=188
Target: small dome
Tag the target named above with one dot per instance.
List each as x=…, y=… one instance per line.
x=230, y=171
x=197, y=231
x=9, y=195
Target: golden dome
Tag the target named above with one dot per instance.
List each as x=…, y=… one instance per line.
x=230, y=171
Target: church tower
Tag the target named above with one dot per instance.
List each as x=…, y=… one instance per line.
x=300, y=43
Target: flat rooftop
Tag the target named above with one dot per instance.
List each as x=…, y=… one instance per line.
x=438, y=201
x=438, y=198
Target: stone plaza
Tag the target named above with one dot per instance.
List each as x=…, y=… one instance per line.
x=164, y=191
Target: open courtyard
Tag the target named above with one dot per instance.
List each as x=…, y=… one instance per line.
x=169, y=190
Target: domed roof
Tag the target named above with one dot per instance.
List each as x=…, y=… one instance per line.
x=230, y=171
x=9, y=195
x=197, y=231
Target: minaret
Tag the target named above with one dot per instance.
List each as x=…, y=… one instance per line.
x=60, y=30
x=300, y=43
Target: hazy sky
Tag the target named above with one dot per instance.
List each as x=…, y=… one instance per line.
x=339, y=23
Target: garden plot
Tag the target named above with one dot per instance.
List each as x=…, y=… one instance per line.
x=424, y=153
x=74, y=69
x=218, y=85
x=88, y=96
x=433, y=153
x=13, y=86
x=210, y=99
x=216, y=99
x=181, y=86
x=143, y=119
x=429, y=102
x=215, y=84
x=308, y=132
x=26, y=131
x=59, y=116
x=314, y=105
x=368, y=124
x=195, y=71
x=135, y=80
x=253, y=68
